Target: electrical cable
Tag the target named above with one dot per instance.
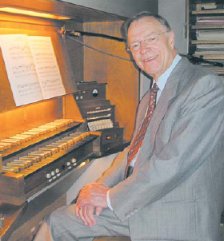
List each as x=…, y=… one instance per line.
x=99, y=50
x=74, y=35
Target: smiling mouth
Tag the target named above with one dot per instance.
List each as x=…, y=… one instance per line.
x=149, y=59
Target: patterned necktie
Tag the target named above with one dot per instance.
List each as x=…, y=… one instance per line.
x=137, y=142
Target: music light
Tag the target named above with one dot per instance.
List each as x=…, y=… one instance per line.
x=32, y=13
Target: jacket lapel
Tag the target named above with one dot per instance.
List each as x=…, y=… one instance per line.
x=168, y=94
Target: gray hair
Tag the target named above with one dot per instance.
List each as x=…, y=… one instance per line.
x=128, y=22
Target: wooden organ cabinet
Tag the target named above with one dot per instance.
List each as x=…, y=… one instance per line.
x=45, y=145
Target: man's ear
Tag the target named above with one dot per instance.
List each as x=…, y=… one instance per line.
x=172, y=39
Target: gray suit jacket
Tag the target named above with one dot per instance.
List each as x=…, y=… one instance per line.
x=176, y=191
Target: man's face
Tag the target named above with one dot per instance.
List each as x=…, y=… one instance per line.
x=151, y=45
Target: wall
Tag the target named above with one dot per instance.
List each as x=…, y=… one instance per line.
x=176, y=14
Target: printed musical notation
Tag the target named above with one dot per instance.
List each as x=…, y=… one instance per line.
x=32, y=68
x=46, y=66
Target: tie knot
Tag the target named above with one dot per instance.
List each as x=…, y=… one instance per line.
x=154, y=87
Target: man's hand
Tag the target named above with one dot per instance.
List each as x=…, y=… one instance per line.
x=94, y=194
x=86, y=213
x=91, y=200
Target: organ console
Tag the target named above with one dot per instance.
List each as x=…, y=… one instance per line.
x=29, y=171
x=36, y=160
x=46, y=145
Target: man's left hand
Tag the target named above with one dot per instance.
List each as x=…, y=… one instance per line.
x=93, y=196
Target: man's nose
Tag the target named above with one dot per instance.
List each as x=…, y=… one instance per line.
x=144, y=46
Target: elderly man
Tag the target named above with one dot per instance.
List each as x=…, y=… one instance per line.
x=168, y=184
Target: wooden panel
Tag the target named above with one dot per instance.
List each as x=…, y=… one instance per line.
x=117, y=71
x=71, y=109
x=73, y=53
x=107, y=28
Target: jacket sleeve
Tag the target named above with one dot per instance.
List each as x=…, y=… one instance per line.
x=115, y=173
x=195, y=135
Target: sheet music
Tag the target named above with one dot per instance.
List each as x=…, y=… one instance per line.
x=20, y=69
x=32, y=68
x=46, y=66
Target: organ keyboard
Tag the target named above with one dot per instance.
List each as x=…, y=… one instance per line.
x=34, y=159
x=34, y=135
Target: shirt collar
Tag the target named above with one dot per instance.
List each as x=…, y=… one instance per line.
x=161, y=82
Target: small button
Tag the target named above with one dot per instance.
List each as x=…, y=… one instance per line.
x=74, y=160
x=48, y=175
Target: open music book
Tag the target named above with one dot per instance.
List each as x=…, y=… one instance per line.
x=32, y=68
